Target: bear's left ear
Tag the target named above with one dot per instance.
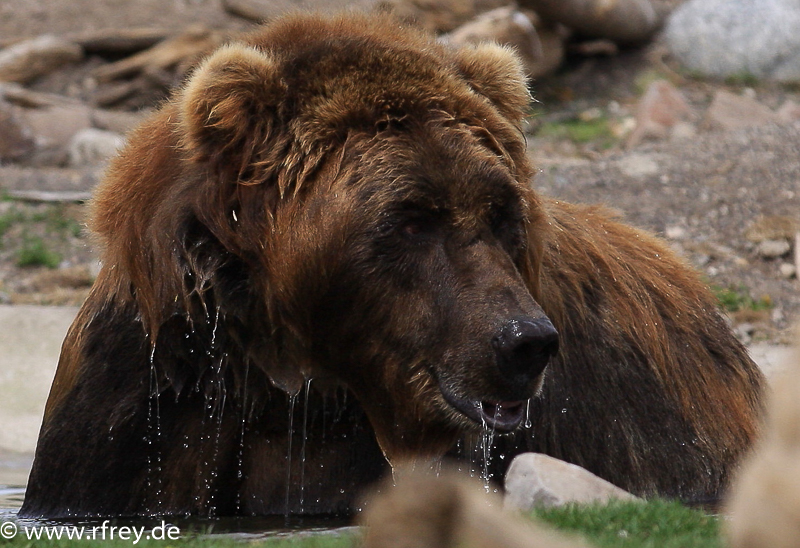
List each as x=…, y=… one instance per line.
x=498, y=74
x=229, y=107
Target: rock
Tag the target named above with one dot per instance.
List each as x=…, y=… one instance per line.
x=180, y=50
x=729, y=111
x=534, y=479
x=661, y=107
x=623, y=21
x=763, y=503
x=23, y=180
x=675, y=232
x=638, y=166
x=446, y=510
x=16, y=140
x=93, y=147
x=116, y=120
x=772, y=249
x=725, y=38
x=772, y=227
x=52, y=129
x=787, y=271
x=30, y=59
x=788, y=113
x=440, y=15
x=262, y=10
x=540, y=46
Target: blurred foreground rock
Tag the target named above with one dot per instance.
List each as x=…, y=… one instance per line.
x=449, y=511
x=764, y=504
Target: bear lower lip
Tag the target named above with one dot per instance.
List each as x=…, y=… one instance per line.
x=502, y=416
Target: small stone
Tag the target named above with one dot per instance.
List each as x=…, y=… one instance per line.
x=93, y=147
x=788, y=271
x=729, y=111
x=788, y=113
x=772, y=249
x=661, y=107
x=30, y=59
x=772, y=227
x=638, y=166
x=675, y=232
x=534, y=479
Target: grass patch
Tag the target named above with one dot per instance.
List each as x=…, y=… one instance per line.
x=654, y=524
x=580, y=131
x=34, y=252
x=738, y=298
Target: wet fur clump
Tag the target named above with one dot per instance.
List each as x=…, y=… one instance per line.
x=323, y=256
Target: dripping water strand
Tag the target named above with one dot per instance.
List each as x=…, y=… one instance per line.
x=292, y=400
x=154, y=433
x=240, y=455
x=303, y=444
x=528, y=422
x=487, y=442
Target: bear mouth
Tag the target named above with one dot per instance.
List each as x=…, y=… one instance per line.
x=503, y=416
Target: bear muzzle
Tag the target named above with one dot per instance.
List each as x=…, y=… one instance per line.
x=523, y=347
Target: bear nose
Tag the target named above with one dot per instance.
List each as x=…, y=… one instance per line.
x=523, y=348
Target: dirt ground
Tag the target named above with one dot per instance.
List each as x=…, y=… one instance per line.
x=704, y=192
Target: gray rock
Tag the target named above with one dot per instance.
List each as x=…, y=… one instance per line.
x=540, y=45
x=737, y=37
x=16, y=140
x=92, y=147
x=534, y=479
x=53, y=129
x=730, y=111
x=772, y=249
x=30, y=59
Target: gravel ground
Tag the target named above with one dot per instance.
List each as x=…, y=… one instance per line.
x=704, y=192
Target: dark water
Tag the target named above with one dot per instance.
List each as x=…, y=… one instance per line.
x=243, y=527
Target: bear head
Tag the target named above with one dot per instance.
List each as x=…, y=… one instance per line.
x=353, y=199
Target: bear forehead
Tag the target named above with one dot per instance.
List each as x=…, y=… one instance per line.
x=342, y=72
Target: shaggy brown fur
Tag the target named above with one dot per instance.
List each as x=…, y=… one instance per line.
x=324, y=253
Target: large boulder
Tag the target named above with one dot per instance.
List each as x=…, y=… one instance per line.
x=724, y=38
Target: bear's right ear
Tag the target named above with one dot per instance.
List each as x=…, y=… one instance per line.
x=229, y=107
x=498, y=74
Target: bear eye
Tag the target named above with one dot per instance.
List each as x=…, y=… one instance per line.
x=417, y=227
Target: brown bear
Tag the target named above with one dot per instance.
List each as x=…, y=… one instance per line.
x=324, y=255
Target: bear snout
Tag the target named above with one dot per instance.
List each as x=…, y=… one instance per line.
x=523, y=347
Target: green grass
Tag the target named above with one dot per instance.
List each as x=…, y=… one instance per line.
x=580, y=131
x=737, y=298
x=654, y=524
x=34, y=252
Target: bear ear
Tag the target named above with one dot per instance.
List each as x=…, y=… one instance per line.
x=229, y=107
x=498, y=74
